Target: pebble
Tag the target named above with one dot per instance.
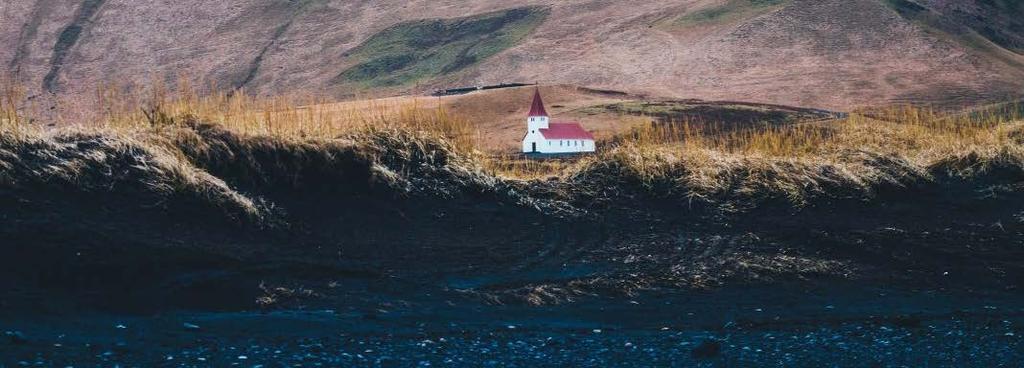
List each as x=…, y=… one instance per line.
x=952, y=342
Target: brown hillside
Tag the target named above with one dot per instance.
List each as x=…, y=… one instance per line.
x=823, y=53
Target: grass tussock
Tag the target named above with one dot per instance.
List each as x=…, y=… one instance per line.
x=77, y=163
x=849, y=157
x=12, y=98
x=231, y=151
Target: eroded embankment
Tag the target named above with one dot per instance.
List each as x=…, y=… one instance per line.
x=199, y=217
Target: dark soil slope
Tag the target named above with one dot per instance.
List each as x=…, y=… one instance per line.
x=199, y=217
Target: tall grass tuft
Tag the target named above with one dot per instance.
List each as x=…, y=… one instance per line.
x=127, y=108
x=12, y=100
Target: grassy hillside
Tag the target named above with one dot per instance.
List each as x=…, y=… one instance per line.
x=996, y=29
x=731, y=11
x=783, y=52
x=1001, y=21
x=415, y=51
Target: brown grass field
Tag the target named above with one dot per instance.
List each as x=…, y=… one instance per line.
x=703, y=157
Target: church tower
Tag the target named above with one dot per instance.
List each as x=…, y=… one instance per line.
x=538, y=118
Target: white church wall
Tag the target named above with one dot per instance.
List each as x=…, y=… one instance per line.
x=565, y=146
x=537, y=122
x=533, y=137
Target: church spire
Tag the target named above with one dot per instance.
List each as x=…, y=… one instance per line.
x=538, y=105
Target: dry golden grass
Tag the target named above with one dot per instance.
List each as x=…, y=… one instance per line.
x=855, y=154
x=900, y=129
x=852, y=156
x=12, y=97
x=130, y=109
x=290, y=116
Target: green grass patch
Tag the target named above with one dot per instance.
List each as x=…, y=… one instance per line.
x=1007, y=27
x=421, y=50
x=1004, y=30
x=907, y=9
x=731, y=11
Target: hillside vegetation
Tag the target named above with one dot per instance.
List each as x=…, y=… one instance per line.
x=731, y=11
x=829, y=54
x=1000, y=43
x=416, y=51
x=998, y=21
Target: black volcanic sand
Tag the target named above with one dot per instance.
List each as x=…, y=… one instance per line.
x=639, y=303
x=838, y=325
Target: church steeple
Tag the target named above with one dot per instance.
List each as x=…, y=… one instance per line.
x=538, y=118
x=538, y=105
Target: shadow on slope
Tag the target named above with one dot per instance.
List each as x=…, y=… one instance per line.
x=199, y=217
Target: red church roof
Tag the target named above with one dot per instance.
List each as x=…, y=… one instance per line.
x=565, y=130
x=538, y=105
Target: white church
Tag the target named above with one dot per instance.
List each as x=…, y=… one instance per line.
x=552, y=137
